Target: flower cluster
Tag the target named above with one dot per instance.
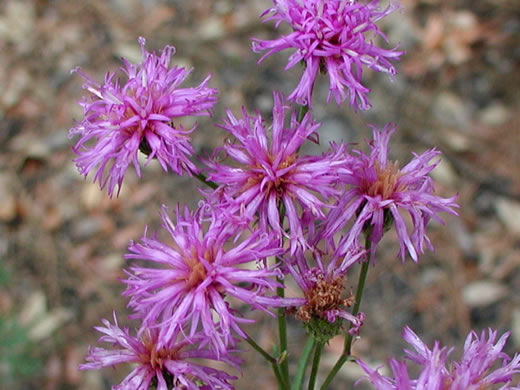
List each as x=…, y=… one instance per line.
x=272, y=213
x=331, y=36
x=473, y=372
x=121, y=119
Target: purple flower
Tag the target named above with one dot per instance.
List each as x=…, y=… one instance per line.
x=475, y=370
x=206, y=262
x=167, y=366
x=379, y=191
x=330, y=36
x=121, y=119
x=323, y=284
x=270, y=172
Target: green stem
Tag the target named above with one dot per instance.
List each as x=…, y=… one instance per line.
x=302, y=363
x=205, y=180
x=347, y=346
x=301, y=113
x=261, y=351
x=282, y=331
x=282, y=320
x=355, y=310
x=282, y=383
x=315, y=365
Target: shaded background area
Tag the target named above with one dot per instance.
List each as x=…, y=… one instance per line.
x=62, y=240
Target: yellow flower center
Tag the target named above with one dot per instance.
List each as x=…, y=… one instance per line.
x=153, y=356
x=278, y=183
x=198, y=270
x=386, y=183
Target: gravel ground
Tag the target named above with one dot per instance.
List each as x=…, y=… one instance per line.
x=62, y=240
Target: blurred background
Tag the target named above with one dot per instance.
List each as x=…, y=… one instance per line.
x=62, y=240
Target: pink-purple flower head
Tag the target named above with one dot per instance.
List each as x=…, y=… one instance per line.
x=268, y=170
x=167, y=366
x=206, y=262
x=377, y=194
x=122, y=118
x=322, y=278
x=332, y=36
x=483, y=366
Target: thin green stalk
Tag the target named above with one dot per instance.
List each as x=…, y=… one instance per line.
x=282, y=383
x=315, y=365
x=357, y=305
x=261, y=351
x=342, y=359
x=347, y=346
x=282, y=331
x=301, y=112
x=302, y=363
x=282, y=320
x=205, y=180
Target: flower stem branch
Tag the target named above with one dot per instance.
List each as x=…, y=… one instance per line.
x=302, y=363
x=261, y=351
x=282, y=320
x=282, y=383
x=205, y=180
x=355, y=310
x=282, y=330
x=315, y=365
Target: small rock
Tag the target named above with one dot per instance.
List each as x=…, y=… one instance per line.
x=451, y=110
x=457, y=141
x=509, y=214
x=17, y=24
x=49, y=323
x=129, y=51
x=112, y=262
x=445, y=174
x=34, y=307
x=483, y=293
x=212, y=28
x=92, y=196
x=495, y=114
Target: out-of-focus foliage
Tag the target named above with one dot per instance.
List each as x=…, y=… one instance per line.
x=17, y=358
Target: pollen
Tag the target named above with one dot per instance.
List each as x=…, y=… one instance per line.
x=387, y=182
x=197, y=269
x=153, y=356
x=275, y=182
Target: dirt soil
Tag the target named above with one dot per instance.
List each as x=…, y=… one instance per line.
x=62, y=240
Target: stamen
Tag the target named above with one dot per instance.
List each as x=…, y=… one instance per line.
x=387, y=182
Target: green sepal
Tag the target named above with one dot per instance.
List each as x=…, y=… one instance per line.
x=322, y=330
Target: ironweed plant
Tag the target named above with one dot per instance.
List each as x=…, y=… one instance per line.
x=268, y=213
